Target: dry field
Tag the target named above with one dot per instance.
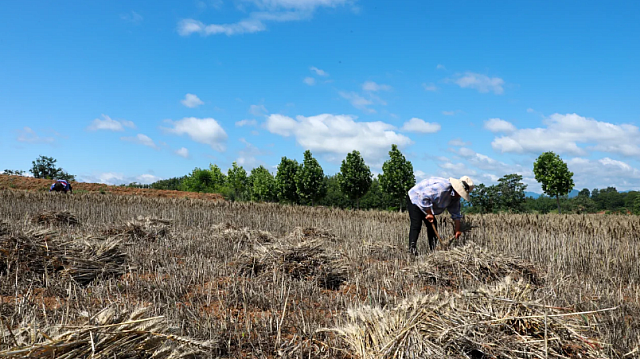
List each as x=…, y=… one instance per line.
x=95, y=275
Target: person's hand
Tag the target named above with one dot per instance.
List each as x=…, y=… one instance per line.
x=458, y=234
x=430, y=217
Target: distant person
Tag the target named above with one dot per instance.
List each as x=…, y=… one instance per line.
x=429, y=198
x=61, y=186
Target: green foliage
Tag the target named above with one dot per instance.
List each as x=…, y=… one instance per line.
x=263, y=185
x=484, y=199
x=310, y=183
x=636, y=205
x=286, y=189
x=199, y=180
x=174, y=183
x=237, y=181
x=13, y=172
x=397, y=175
x=45, y=167
x=354, y=177
x=554, y=175
x=511, y=193
x=584, y=193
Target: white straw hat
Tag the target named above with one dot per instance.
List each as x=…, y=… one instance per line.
x=462, y=186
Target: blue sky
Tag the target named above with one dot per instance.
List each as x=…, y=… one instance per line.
x=138, y=91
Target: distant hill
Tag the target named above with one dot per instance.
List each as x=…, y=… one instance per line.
x=573, y=193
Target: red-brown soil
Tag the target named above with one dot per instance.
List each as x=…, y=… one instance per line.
x=41, y=185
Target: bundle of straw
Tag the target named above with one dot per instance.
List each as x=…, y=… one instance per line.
x=144, y=228
x=472, y=264
x=55, y=218
x=108, y=335
x=502, y=321
x=305, y=260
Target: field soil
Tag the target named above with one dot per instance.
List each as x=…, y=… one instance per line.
x=42, y=185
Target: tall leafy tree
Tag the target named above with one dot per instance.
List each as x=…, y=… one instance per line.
x=310, y=183
x=554, y=175
x=218, y=177
x=484, y=199
x=45, y=167
x=237, y=180
x=263, y=185
x=397, y=175
x=511, y=192
x=199, y=180
x=286, y=180
x=354, y=177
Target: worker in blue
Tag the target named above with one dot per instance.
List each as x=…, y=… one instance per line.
x=61, y=186
x=431, y=197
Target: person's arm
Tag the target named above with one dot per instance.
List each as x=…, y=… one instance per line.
x=454, y=209
x=458, y=231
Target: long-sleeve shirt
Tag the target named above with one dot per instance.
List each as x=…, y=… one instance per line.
x=435, y=193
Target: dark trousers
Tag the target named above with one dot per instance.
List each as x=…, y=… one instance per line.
x=417, y=218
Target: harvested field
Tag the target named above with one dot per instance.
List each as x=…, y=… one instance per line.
x=243, y=280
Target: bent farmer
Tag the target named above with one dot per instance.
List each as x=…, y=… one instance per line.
x=429, y=198
x=61, y=186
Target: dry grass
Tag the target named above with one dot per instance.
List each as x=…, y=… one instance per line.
x=248, y=280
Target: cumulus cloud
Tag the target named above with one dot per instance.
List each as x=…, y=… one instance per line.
x=564, y=133
x=141, y=139
x=337, y=135
x=247, y=155
x=318, y=71
x=604, y=172
x=265, y=11
x=458, y=142
x=116, y=178
x=429, y=87
x=358, y=101
x=420, y=126
x=191, y=101
x=182, y=152
x=109, y=124
x=497, y=125
x=242, y=123
x=480, y=82
x=309, y=81
x=375, y=87
x=202, y=130
x=258, y=110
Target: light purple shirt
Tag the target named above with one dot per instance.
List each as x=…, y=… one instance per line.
x=435, y=193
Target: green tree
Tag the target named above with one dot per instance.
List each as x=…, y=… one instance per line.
x=286, y=180
x=636, y=205
x=511, y=193
x=45, y=167
x=218, y=178
x=397, y=175
x=310, y=183
x=199, y=180
x=263, y=185
x=554, y=175
x=584, y=193
x=354, y=177
x=237, y=180
x=484, y=199
x=13, y=172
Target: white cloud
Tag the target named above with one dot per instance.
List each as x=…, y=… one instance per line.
x=191, y=101
x=183, y=152
x=247, y=155
x=267, y=11
x=420, y=175
x=458, y=142
x=440, y=67
x=480, y=82
x=602, y=173
x=497, y=125
x=358, y=101
x=429, y=87
x=420, y=126
x=309, y=81
x=337, y=135
x=141, y=139
x=109, y=124
x=448, y=113
x=318, y=71
x=374, y=87
x=132, y=17
x=530, y=110
x=28, y=135
x=115, y=178
x=242, y=123
x=258, y=110
x=202, y=130
x=564, y=133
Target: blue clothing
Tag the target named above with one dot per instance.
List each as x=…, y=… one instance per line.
x=435, y=193
x=67, y=186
